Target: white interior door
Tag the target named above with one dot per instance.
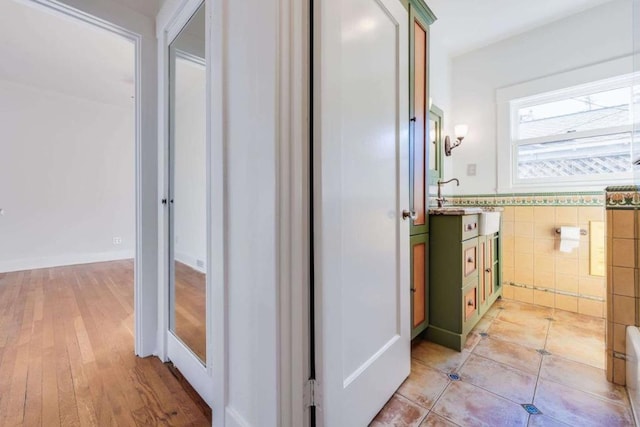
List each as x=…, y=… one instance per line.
x=360, y=190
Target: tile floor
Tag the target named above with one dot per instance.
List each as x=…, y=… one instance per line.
x=503, y=366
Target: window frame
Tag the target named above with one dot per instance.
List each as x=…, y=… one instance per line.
x=584, y=81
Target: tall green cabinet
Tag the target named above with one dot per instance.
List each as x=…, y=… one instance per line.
x=420, y=17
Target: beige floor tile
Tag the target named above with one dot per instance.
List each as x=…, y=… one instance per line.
x=533, y=336
x=399, y=412
x=517, y=356
x=572, y=389
x=545, y=421
x=495, y=309
x=578, y=408
x=525, y=314
x=472, y=340
x=581, y=377
x=435, y=420
x=424, y=385
x=503, y=380
x=438, y=357
x=483, y=325
x=596, y=324
x=468, y=405
x=577, y=343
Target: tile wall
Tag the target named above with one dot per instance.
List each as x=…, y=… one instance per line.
x=533, y=268
x=623, y=266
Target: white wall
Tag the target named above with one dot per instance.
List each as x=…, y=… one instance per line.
x=440, y=84
x=591, y=37
x=66, y=179
x=147, y=333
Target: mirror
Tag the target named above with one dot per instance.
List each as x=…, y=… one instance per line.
x=187, y=185
x=435, y=144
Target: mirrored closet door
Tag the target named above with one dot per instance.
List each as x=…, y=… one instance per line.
x=187, y=168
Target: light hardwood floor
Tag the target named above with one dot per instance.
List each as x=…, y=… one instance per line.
x=190, y=308
x=66, y=354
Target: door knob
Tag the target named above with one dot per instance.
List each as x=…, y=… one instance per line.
x=409, y=214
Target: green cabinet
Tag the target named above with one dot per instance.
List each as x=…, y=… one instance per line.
x=420, y=17
x=419, y=280
x=464, y=277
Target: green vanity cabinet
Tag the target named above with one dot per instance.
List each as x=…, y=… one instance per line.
x=463, y=277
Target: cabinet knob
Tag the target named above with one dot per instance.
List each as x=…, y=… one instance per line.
x=488, y=270
x=470, y=259
x=470, y=303
x=409, y=214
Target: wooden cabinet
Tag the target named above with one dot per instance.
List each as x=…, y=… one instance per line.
x=489, y=275
x=463, y=277
x=420, y=18
x=419, y=280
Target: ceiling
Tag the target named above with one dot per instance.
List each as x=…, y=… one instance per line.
x=54, y=52
x=466, y=25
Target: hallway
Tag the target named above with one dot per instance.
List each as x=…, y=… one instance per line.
x=67, y=358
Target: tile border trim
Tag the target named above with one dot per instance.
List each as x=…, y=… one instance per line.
x=553, y=291
x=623, y=197
x=595, y=198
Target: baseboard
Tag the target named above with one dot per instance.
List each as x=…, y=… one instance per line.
x=62, y=260
x=191, y=261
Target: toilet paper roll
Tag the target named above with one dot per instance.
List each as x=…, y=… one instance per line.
x=569, y=239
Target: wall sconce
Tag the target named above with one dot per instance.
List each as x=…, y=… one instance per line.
x=461, y=132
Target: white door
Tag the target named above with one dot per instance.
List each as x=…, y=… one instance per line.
x=360, y=190
x=187, y=343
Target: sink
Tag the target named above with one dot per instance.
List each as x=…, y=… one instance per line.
x=488, y=222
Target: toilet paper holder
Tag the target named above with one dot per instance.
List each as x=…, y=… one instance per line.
x=583, y=232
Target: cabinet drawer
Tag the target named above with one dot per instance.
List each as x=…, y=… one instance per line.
x=469, y=226
x=470, y=261
x=470, y=301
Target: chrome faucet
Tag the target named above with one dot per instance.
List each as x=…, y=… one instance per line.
x=441, y=199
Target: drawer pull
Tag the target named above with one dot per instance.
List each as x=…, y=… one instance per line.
x=470, y=227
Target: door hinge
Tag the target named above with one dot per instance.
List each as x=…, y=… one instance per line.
x=312, y=393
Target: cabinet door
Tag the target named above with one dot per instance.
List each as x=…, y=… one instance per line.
x=419, y=283
x=419, y=113
x=492, y=266
x=484, y=283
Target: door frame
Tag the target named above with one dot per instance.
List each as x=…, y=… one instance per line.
x=145, y=318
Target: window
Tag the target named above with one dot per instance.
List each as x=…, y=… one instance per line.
x=581, y=135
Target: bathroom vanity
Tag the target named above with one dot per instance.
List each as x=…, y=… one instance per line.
x=464, y=271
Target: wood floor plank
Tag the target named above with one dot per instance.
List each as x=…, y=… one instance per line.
x=67, y=359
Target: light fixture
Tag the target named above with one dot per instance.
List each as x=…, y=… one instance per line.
x=460, y=132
